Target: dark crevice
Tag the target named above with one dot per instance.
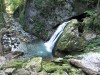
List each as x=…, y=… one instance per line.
x=79, y=17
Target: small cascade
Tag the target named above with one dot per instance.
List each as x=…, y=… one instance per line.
x=51, y=43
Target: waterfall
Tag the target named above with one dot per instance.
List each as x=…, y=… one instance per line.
x=39, y=48
x=51, y=43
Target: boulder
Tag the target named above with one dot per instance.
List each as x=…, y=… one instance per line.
x=35, y=64
x=91, y=67
x=70, y=39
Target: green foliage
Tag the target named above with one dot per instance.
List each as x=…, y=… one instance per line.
x=94, y=43
x=15, y=3
x=93, y=22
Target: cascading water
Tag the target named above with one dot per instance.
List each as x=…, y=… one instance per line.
x=51, y=43
x=39, y=48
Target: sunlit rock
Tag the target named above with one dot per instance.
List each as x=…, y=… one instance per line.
x=89, y=63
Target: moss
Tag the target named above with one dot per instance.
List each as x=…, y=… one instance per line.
x=59, y=72
x=69, y=40
x=74, y=71
x=16, y=63
x=49, y=66
x=35, y=63
x=93, y=43
x=92, y=23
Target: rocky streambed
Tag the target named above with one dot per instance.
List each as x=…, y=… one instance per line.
x=38, y=66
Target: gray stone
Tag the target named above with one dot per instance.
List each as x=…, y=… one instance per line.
x=90, y=36
x=89, y=63
x=10, y=70
x=23, y=72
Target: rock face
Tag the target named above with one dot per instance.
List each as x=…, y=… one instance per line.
x=42, y=15
x=91, y=67
x=70, y=39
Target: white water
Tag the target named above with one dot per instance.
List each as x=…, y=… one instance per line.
x=51, y=43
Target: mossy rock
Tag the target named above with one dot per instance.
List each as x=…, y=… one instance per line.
x=74, y=71
x=59, y=72
x=49, y=66
x=70, y=39
x=16, y=63
x=35, y=64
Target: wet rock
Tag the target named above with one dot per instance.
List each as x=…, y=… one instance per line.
x=35, y=64
x=23, y=72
